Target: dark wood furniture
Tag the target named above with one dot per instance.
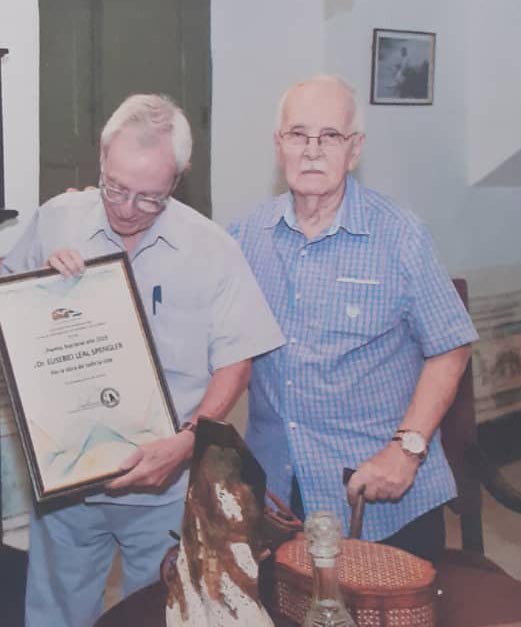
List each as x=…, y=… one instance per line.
x=13, y=568
x=146, y=608
x=476, y=592
x=470, y=465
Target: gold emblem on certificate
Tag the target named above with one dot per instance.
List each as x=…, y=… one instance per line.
x=82, y=373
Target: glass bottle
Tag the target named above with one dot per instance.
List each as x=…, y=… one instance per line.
x=323, y=534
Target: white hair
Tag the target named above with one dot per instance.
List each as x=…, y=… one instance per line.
x=357, y=122
x=153, y=115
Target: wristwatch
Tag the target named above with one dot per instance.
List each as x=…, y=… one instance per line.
x=412, y=443
x=188, y=426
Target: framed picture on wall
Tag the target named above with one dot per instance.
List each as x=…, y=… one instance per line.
x=402, y=67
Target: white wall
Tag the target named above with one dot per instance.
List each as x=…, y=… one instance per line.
x=493, y=80
x=258, y=49
x=19, y=33
x=415, y=154
x=418, y=154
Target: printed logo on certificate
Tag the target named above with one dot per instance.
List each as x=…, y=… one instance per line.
x=82, y=372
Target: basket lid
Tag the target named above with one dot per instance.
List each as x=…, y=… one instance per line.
x=364, y=567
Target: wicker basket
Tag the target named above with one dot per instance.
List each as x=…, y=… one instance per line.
x=383, y=586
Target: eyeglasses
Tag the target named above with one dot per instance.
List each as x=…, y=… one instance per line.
x=327, y=139
x=120, y=195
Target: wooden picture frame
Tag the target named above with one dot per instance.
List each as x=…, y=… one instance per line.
x=82, y=372
x=402, y=67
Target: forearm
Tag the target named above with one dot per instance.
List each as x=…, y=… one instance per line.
x=152, y=464
x=223, y=391
x=390, y=472
x=435, y=391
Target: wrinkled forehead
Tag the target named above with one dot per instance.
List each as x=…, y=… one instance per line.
x=147, y=167
x=317, y=105
x=137, y=144
x=137, y=137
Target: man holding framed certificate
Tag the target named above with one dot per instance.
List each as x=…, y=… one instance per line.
x=207, y=317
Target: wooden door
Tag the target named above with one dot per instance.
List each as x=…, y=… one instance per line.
x=93, y=53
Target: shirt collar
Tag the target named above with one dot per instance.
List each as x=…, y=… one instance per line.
x=167, y=227
x=164, y=227
x=351, y=215
x=99, y=223
x=277, y=210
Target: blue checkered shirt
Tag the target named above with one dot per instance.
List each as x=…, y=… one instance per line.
x=361, y=305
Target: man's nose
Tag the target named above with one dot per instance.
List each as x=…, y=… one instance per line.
x=126, y=208
x=313, y=147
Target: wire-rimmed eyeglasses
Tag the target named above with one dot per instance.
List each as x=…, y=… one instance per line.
x=327, y=139
x=120, y=195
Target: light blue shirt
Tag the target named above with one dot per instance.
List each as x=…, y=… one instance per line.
x=202, y=303
x=361, y=305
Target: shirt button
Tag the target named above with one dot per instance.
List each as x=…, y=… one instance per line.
x=303, y=253
x=293, y=340
x=289, y=382
x=298, y=296
x=292, y=425
x=288, y=468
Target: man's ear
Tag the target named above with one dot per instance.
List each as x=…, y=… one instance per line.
x=277, y=143
x=356, y=151
x=178, y=178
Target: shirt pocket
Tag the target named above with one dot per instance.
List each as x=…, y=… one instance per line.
x=181, y=338
x=357, y=312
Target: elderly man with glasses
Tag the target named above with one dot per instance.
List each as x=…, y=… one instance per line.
x=377, y=337
x=208, y=319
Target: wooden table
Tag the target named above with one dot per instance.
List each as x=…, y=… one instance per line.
x=458, y=607
x=146, y=608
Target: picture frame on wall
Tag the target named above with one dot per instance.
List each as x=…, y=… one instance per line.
x=402, y=67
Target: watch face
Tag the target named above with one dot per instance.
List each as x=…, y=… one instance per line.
x=413, y=442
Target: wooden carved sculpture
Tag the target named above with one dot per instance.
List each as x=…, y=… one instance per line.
x=214, y=582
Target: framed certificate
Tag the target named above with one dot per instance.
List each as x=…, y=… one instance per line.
x=82, y=373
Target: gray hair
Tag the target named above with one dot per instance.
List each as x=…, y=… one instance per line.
x=154, y=115
x=357, y=123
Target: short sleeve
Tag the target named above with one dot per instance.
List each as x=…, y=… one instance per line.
x=26, y=254
x=435, y=312
x=242, y=324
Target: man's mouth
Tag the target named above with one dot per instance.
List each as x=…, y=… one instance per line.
x=311, y=168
